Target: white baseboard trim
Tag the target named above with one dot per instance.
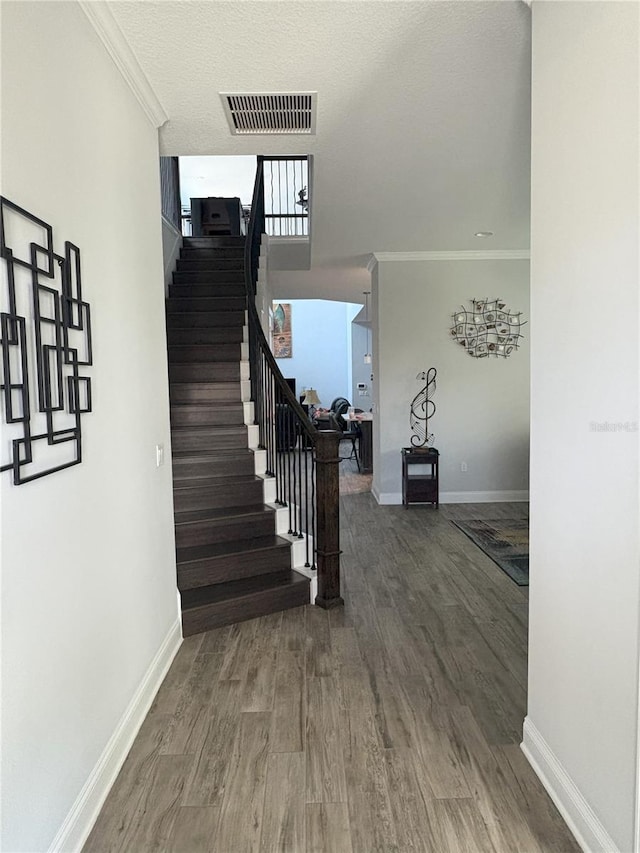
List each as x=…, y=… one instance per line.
x=171, y=226
x=395, y=498
x=483, y=497
x=576, y=811
x=388, y=498
x=83, y=814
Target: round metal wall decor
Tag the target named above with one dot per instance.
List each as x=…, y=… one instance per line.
x=489, y=328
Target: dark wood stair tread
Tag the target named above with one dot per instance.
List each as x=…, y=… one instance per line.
x=213, y=241
x=220, y=352
x=217, y=404
x=226, y=513
x=180, y=290
x=220, y=304
x=205, y=608
x=231, y=563
x=195, y=553
x=204, y=596
x=223, y=429
x=206, y=319
x=209, y=262
x=211, y=460
x=213, y=481
x=213, y=456
x=206, y=384
x=209, y=277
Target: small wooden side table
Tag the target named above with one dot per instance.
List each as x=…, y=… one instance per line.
x=420, y=487
x=366, y=445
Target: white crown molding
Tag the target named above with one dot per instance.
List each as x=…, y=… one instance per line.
x=118, y=48
x=461, y=255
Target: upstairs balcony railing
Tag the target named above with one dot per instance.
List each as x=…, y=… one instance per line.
x=286, y=196
x=170, y=191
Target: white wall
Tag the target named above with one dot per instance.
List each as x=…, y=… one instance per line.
x=223, y=177
x=263, y=288
x=585, y=556
x=482, y=405
x=88, y=571
x=361, y=372
x=290, y=253
x=321, y=347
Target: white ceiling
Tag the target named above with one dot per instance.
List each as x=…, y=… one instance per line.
x=423, y=114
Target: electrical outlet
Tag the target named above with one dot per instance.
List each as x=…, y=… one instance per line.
x=463, y=467
x=159, y=455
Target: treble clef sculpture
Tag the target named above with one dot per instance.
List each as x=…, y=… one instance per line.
x=423, y=408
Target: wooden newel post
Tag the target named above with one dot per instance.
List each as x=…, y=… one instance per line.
x=328, y=511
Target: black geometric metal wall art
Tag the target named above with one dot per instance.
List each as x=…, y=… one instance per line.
x=489, y=328
x=423, y=408
x=45, y=341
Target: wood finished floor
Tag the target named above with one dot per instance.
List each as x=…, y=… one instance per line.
x=391, y=725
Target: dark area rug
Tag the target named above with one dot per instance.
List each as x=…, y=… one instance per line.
x=505, y=540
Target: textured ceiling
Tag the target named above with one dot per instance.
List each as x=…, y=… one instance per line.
x=423, y=114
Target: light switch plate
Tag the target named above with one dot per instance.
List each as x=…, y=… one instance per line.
x=159, y=455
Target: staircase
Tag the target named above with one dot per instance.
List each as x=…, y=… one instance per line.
x=231, y=563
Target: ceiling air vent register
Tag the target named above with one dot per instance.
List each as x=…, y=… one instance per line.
x=270, y=113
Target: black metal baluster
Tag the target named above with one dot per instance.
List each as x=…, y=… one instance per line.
x=257, y=400
x=272, y=210
x=263, y=403
x=279, y=450
x=314, y=532
x=274, y=435
x=306, y=502
x=302, y=489
x=279, y=200
x=294, y=500
x=288, y=211
x=305, y=221
x=295, y=195
x=270, y=423
x=287, y=479
x=265, y=413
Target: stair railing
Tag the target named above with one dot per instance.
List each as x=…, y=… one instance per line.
x=286, y=196
x=170, y=191
x=302, y=460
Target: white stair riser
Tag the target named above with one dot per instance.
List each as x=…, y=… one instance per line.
x=249, y=416
x=253, y=436
x=260, y=461
x=269, y=490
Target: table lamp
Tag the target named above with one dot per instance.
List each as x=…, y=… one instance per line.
x=312, y=400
